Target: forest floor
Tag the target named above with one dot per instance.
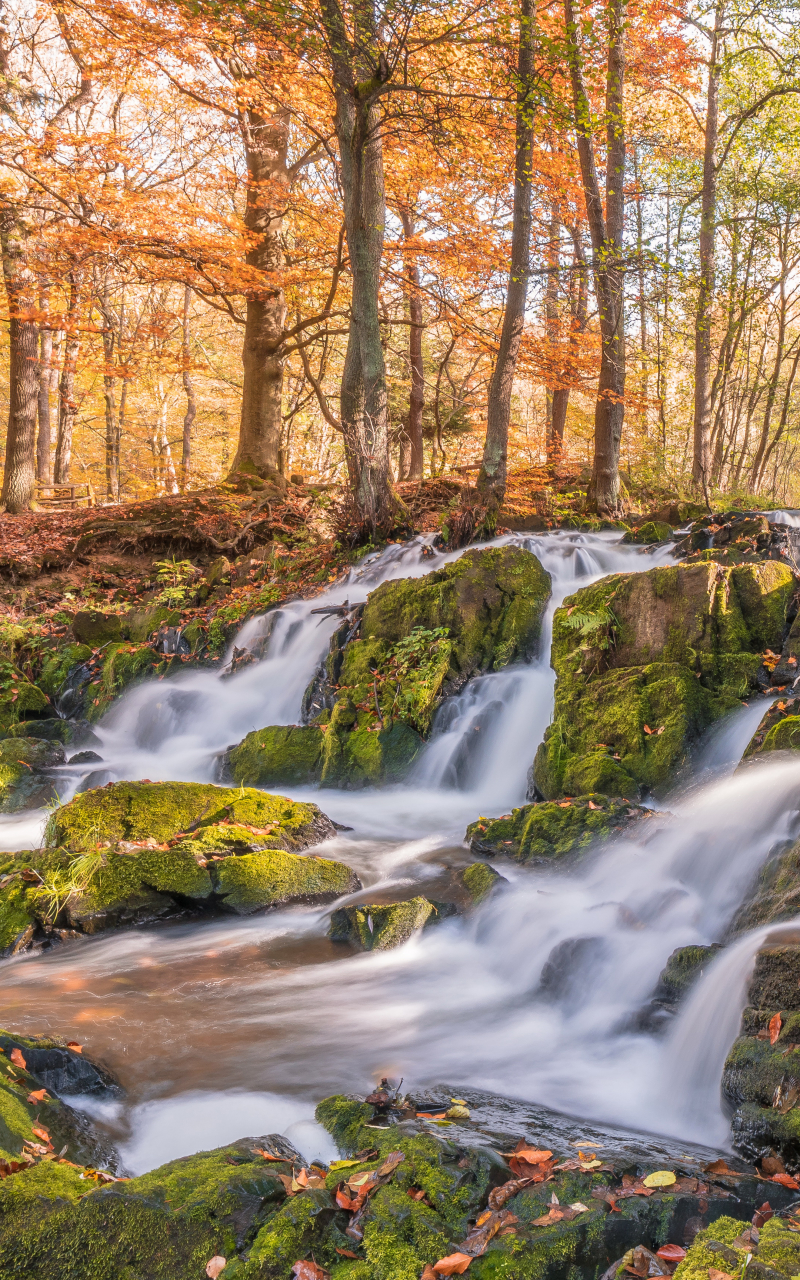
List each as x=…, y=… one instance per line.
x=239, y=553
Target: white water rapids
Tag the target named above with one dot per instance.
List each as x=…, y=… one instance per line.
x=223, y=1027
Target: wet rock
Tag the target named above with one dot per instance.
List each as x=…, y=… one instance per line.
x=379, y=927
x=683, y=968
x=761, y=1078
x=540, y=833
x=775, y=895
x=85, y=757
x=25, y=773
x=738, y=537
x=778, y=730
x=480, y=880
x=61, y=1070
x=645, y=662
x=21, y=700
x=678, y=513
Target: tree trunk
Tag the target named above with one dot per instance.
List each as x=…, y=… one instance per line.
x=266, y=142
x=494, y=466
x=44, y=436
x=67, y=404
x=701, y=458
x=109, y=396
x=416, y=403
x=551, y=331
x=191, y=399
x=606, y=229
x=23, y=335
x=360, y=72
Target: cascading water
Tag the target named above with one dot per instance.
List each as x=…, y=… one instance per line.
x=237, y=1025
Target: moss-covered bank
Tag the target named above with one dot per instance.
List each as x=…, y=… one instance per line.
x=553, y=829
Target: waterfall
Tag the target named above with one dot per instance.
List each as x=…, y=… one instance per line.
x=536, y=995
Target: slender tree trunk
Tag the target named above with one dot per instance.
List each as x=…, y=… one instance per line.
x=416, y=403
x=360, y=72
x=67, y=404
x=579, y=306
x=552, y=334
x=23, y=335
x=188, y=386
x=109, y=395
x=266, y=141
x=494, y=467
x=606, y=229
x=701, y=455
x=44, y=436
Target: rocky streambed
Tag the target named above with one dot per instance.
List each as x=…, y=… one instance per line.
x=549, y=944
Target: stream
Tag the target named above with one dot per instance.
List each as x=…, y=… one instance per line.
x=232, y=1026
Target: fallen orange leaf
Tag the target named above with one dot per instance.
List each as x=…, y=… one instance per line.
x=785, y=1179
x=215, y=1266
x=775, y=1024
x=17, y=1058
x=455, y=1264
x=76, y=1048
x=41, y=1133
x=38, y=1095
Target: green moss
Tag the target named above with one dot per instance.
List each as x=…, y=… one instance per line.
x=296, y=1231
x=778, y=1248
x=257, y=880
x=22, y=764
x=381, y=927
x=479, y=880
x=682, y=970
x=278, y=756
x=17, y=921
x=58, y=664
x=138, y=625
x=19, y=698
x=122, y=666
x=121, y=886
x=45, y=730
x=776, y=895
x=138, y=811
x=542, y=832
x=684, y=646
x=491, y=602
x=649, y=532
x=336, y=756
x=784, y=736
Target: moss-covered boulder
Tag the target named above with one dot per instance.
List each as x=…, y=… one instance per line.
x=159, y=811
x=775, y=896
x=20, y=699
x=134, y=852
x=25, y=778
x=650, y=532
x=480, y=880
x=57, y=665
x=379, y=927
x=550, y=830
x=645, y=662
x=342, y=753
x=164, y=1225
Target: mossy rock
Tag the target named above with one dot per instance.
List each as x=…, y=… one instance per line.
x=21, y=700
x=159, y=811
x=778, y=730
x=491, y=602
x=139, y=624
x=777, y=1253
x=551, y=830
x=776, y=894
x=24, y=766
x=54, y=730
x=683, y=968
x=379, y=927
x=337, y=755
x=654, y=659
x=95, y=629
x=59, y=663
x=273, y=878
x=480, y=881
x=123, y=665
x=164, y=1225
x=650, y=532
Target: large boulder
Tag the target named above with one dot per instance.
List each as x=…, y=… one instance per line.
x=778, y=730
x=541, y=833
x=134, y=852
x=389, y=666
x=645, y=662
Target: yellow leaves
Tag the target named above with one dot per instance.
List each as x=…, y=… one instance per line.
x=661, y=1178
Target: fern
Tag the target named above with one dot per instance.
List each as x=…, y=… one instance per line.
x=588, y=623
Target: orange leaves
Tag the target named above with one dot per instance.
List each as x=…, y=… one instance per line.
x=306, y=1270
x=786, y=1180
x=17, y=1058
x=38, y=1095
x=775, y=1024
x=653, y=732
x=74, y=1046
x=215, y=1266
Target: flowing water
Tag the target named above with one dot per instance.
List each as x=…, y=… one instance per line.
x=225, y=1027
